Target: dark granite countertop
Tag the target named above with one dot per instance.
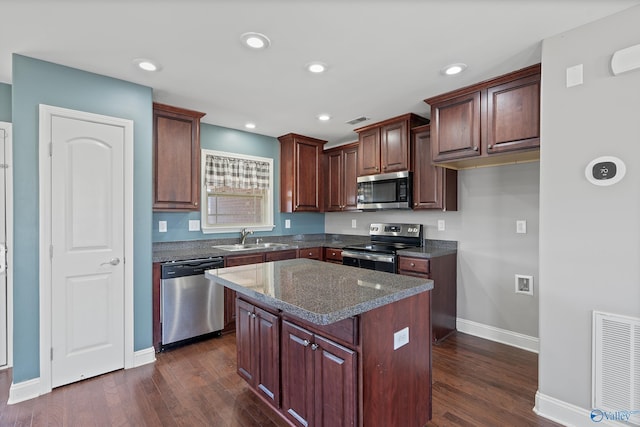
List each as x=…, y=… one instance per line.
x=194, y=249
x=316, y=291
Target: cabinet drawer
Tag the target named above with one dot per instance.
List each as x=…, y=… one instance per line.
x=413, y=265
x=311, y=253
x=280, y=255
x=332, y=254
x=232, y=261
x=344, y=331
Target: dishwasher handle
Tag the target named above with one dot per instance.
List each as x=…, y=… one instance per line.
x=190, y=267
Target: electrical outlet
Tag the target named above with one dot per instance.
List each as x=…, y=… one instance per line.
x=441, y=225
x=194, y=225
x=287, y=223
x=401, y=338
x=524, y=284
x=353, y=223
x=162, y=226
x=521, y=226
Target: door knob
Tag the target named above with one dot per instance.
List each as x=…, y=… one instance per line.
x=114, y=261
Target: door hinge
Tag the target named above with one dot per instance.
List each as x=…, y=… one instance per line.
x=52, y=354
x=51, y=149
x=50, y=251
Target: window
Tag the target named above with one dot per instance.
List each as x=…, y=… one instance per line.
x=237, y=192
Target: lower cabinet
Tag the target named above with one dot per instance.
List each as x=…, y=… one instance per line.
x=230, y=295
x=310, y=253
x=258, y=342
x=333, y=255
x=318, y=379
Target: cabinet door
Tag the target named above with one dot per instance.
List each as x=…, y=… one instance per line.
x=266, y=348
x=455, y=128
x=308, y=176
x=310, y=253
x=176, y=158
x=350, y=178
x=230, y=295
x=369, y=152
x=335, y=383
x=297, y=375
x=280, y=255
x=334, y=180
x=513, y=115
x=244, y=331
x=394, y=147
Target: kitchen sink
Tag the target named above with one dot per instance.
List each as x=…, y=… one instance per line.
x=249, y=246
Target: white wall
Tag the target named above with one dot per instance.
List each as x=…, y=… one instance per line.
x=490, y=253
x=589, y=235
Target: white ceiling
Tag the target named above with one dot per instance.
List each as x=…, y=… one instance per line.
x=384, y=57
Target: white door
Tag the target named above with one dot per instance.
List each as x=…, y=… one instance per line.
x=87, y=236
x=3, y=252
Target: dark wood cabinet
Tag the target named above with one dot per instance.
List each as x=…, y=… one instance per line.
x=258, y=348
x=310, y=253
x=301, y=173
x=318, y=379
x=280, y=255
x=333, y=255
x=341, y=190
x=230, y=295
x=434, y=187
x=442, y=270
x=384, y=147
x=493, y=122
x=176, y=158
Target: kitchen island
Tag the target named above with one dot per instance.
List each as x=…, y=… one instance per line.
x=332, y=345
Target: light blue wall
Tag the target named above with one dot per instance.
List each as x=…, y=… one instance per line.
x=38, y=82
x=5, y=102
x=234, y=141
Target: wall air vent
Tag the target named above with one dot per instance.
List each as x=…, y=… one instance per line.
x=616, y=368
x=357, y=120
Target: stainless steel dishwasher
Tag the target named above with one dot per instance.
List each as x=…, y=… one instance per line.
x=191, y=305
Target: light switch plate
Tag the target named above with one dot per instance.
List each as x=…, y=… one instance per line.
x=574, y=75
x=194, y=225
x=401, y=338
x=353, y=223
x=287, y=223
x=441, y=225
x=162, y=226
x=521, y=226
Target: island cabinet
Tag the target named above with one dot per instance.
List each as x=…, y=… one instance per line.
x=384, y=147
x=258, y=344
x=301, y=173
x=493, y=122
x=176, y=158
x=318, y=379
x=229, y=294
x=434, y=187
x=341, y=190
x=442, y=270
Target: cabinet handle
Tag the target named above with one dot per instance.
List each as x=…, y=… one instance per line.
x=310, y=253
x=333, y=254
x=196, y=203
x=314, y=346
x=475, y=148
x=415, y=204
x=490, y=146
x=412, y=265
x=253, y=315
x=306, y=343
x=249, y=313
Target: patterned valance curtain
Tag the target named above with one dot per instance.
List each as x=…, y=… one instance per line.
x=236, y=173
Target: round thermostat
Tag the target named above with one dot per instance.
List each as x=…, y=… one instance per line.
x=605, y=170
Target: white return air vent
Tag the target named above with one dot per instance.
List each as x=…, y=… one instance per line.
x=616, y=366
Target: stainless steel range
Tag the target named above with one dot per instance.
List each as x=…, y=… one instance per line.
x=386, y=240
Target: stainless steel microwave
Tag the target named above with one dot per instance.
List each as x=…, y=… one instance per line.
x=385, y=191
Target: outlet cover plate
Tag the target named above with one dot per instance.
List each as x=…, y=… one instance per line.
x=401, y=338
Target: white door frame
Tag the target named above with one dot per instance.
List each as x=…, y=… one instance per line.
x=46, y=114
x=8, y=155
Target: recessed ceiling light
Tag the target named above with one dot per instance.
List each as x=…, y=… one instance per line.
x=324, y=117
x=146, y=64
x=255, y=40
x=250, y=125
x=317, y=67
x=453, y=69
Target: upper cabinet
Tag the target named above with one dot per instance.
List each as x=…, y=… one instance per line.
x=176, y=158
x=490, y=123
x=341, y=169
x=434, y=187
x=385, y=146
x=301, y=173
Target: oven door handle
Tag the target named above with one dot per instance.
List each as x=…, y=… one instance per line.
x=368, y=256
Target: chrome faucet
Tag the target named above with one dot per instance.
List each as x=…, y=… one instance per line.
x=243, y=235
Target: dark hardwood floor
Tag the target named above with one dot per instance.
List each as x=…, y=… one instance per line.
x=475, y=383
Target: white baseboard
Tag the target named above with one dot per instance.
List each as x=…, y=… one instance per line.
x=143, y=357
x=24, y=391
x=31, y=389
x=571, y=415
x=503, y=336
